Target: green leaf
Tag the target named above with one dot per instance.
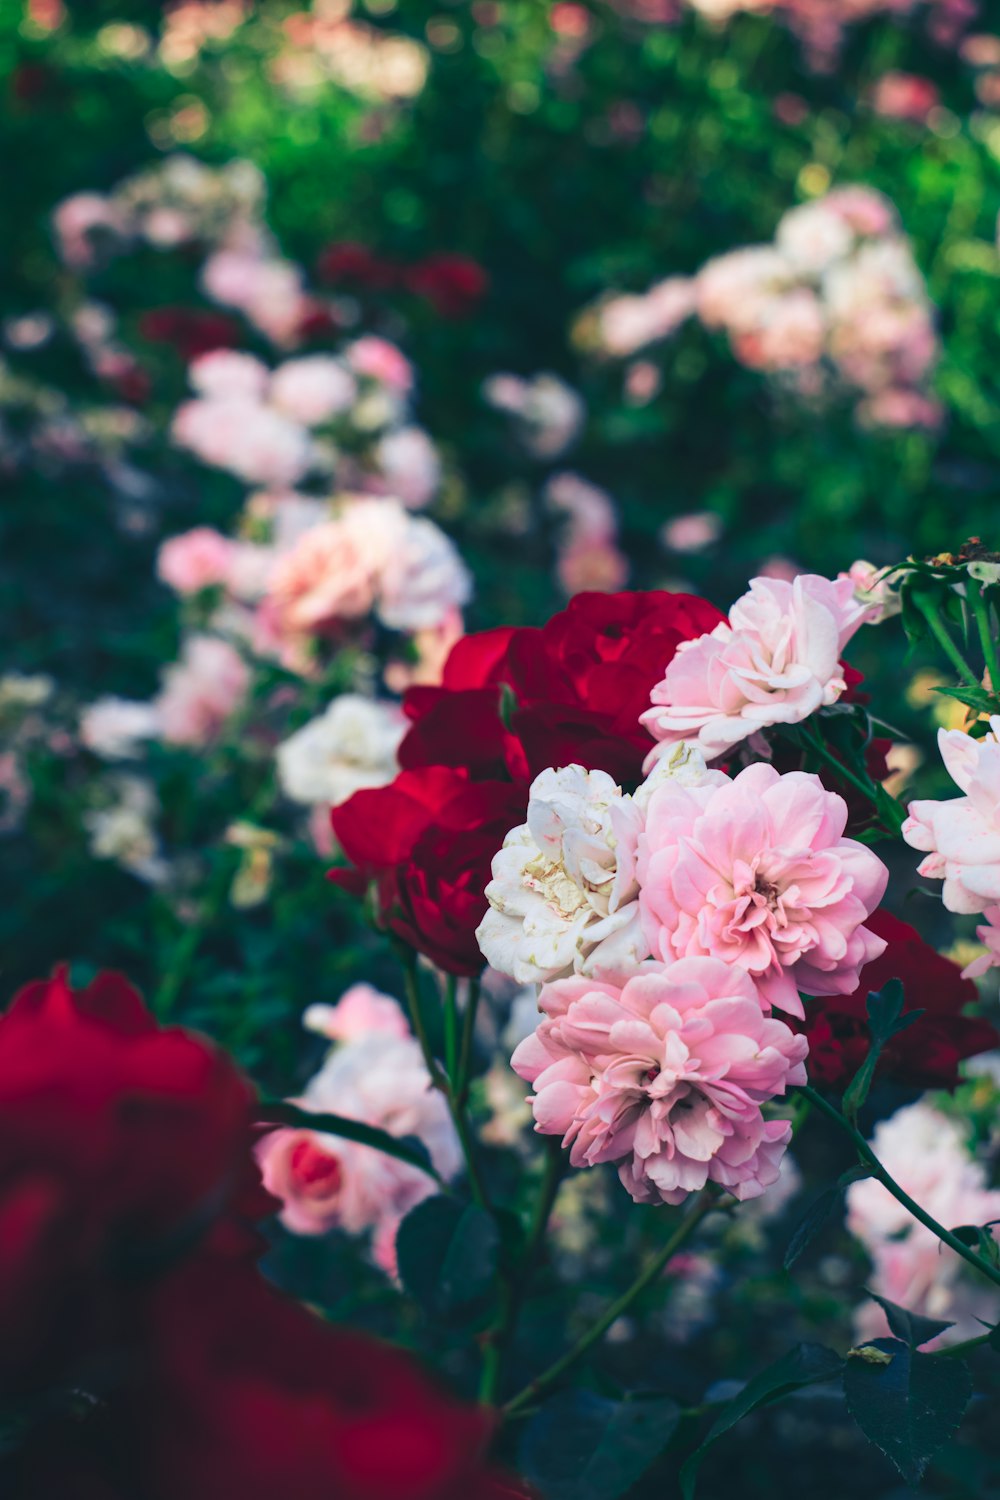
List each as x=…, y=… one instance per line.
x=818, y=1213
x=977, y=698
x=885, y=1020
x=908, y=1406
x=405, y=1148
x=448, y=1254
x=804, y=1365
x=582, y=1446
x=913, y=1328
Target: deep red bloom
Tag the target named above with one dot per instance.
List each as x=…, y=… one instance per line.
x=426, y=842
x=358, y=265
x=119, y=1141
x=927, y=1053
x=454, y=285
x=192, y=331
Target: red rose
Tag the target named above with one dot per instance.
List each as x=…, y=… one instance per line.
x=427, y=841
x=192, y=331
x=926, y=1055
x=454, y=285
x=119, y=1141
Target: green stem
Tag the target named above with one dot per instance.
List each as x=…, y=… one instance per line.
x=867, y=789
x=468, y=1038
x=704, y=1205
x=441, y=1081
x=956, y=1351
x=868, y=1156
x=450, y=1026
x=499, y=1334
x=940, y=633
x=186, y=949
x=981, y=612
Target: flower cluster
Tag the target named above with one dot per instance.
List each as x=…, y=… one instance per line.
x=128, y=1192
x=836, y=298
x=510, y=703
x=375, y=1074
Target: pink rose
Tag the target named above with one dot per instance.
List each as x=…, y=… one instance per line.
x=201, y=691
x=961, y=837
x=775, y=662
x=330, y=574
x=195, y=560
x=381, y=361
x=755, y=872
x=664, y=1077
x=227, y=372
x=360, y=1010
x=312, y=390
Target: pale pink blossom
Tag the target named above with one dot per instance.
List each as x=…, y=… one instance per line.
x=228, y=372
x=776, y=661
x=693, y=532
x=926, y=1153
x=201, y=691
x=267, y=290
x=80, y=220
x=326, y=1182
x=361, y=1010
x=961, y=837
x=312, y=390
x=248, y=439
x=423, y=580
x=628, y=323
x=871, y=587
x=410, y=465
x=330, y=574
x=549, y=413
x=592, y=565
x=788, y=333
x=989, y=934
x=379, y=360
x=904, y=96
x=755, y=871
x=195, y=560
x=664, y=1077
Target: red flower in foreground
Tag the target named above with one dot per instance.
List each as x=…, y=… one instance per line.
x=184, y=1376
x=118, y=1141
x=927, y=1053
x=427, y=841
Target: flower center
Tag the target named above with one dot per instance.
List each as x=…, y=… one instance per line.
x=549, y=879
x=315, y=1173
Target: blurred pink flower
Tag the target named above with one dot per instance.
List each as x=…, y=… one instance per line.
x=665, y=1077
x=990, y=935
x=381, y=361
x=201, y=691
x=904, y=96
x=228, y=372
x=312, y=390
x=361, y=1010
x=756, y=872
x=195, y=560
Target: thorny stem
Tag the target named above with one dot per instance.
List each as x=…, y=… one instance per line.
x=868, y=1156
x=704, y=1205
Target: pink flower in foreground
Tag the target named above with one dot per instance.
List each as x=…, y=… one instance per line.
x=775, y=662
x=195, y=560
x=961, y=837
x=756, y=872
x=664, y=1077
x=201, y=691
x=326, y=1182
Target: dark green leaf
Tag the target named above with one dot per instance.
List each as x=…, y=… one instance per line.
x=447, y=1253
x=804, y=1365
x=913, y=1328
x=405, y=1148
x=908, y=1405
x=885, y=1020
x=581, y=1446
x=818, y=1213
